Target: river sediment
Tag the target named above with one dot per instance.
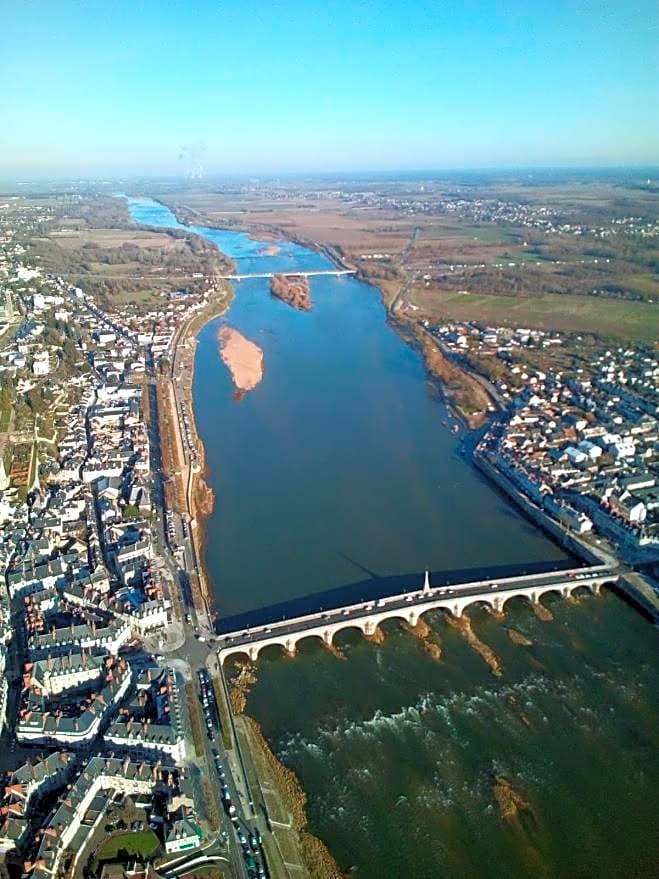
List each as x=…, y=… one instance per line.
x=518, y=638
x=427, y=636
x=464, y=627
x=240, y=686
x=243, y=357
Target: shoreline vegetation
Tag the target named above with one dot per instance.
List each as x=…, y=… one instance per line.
x=463, y=394
x=461, y=390
x=293, y=291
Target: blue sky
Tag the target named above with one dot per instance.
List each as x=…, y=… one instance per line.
x=120, y=86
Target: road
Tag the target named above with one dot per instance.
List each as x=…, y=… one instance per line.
x=407, y=601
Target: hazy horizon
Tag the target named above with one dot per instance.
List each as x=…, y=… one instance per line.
x=468, y=175
x=162, y=91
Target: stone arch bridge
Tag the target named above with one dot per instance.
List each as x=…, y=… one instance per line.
x=409, y=607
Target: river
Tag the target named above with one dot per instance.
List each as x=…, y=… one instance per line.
x=342, y=466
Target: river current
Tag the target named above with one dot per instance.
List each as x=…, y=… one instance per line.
x=344, y=465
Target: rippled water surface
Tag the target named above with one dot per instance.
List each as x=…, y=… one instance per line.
x=398, y=752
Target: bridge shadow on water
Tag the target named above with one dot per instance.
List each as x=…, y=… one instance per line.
x=376, y=587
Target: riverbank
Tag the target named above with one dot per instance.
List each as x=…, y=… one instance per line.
x=284, y=800
x=317, y=857
x=195, y=496
x=198, y=505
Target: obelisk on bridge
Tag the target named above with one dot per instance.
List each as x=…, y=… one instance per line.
x=426, y=583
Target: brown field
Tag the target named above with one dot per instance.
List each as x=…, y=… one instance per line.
x=325, y=222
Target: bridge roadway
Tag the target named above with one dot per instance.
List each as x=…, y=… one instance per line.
x=310, y=274
x=409, y=606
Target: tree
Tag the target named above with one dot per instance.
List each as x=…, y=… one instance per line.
x=35, y=400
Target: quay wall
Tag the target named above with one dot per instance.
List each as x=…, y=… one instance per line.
x=533, y=512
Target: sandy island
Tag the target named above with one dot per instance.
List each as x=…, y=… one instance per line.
x=244, y=358
x=270, y=250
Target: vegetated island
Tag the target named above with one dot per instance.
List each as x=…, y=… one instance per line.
x=294, y=291
x=244, y=358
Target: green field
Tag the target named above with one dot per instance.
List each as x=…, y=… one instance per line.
x=615, y=318
x=143, y=844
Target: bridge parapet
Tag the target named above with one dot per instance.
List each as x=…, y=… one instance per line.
x=408, y=608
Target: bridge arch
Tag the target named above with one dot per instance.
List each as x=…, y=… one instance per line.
x=483, y=600
x=324, y=637
x=359, y=625
x=531, y=597
x=246, y=651
x=590, y=585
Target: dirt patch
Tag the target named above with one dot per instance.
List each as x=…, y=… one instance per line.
x=205, y=498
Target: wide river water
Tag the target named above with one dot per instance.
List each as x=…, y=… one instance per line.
x=343, y=466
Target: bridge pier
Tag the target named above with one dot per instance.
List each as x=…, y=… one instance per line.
x=410, y=607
